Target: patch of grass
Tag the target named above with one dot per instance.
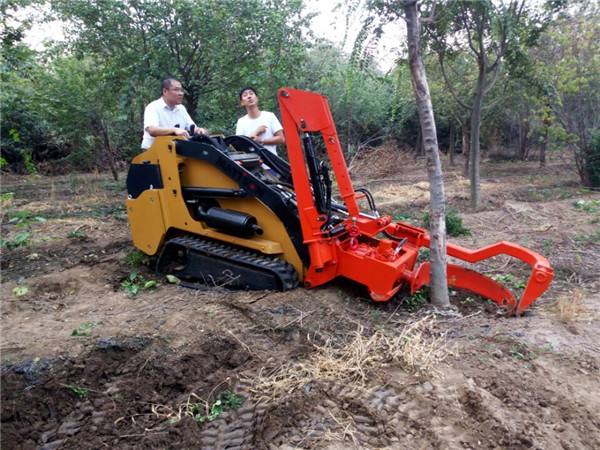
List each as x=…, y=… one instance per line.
x=113, y=186
x=135, y=258
x=24, y=218
x=20, y=240
x=590, y=206
x=454, y=224
x=509, y=280
x=586, y=239
x=520, y=351
x=120, y=214
x=547, y=245
x=85, y=329
x=135, y=283
x=403, y=217
x=77, y=234
x=79, y=391
x=6, y=198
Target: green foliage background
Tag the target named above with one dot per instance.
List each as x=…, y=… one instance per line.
x=78, y=104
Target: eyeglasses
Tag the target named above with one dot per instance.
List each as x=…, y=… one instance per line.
x=177, y=89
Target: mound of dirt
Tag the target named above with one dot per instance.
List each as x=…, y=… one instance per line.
x=105, y=397
x=385, y=161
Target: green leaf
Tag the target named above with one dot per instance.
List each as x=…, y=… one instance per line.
x=85, y=329
x=150, y=284
x=20, y=291
x=173, y=279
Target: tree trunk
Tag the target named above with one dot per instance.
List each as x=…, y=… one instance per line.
x=418, y=143
x=451, y=145
x=524, y=138
x=438, y=257
x=475, y=153
x=466, y=145
x=544, y=145
x=108, y=150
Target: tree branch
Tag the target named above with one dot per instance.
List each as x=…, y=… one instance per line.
x=449, y=84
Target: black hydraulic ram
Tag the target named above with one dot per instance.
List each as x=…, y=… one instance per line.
x=313, y=169
x=201, y=192
x=230, y=222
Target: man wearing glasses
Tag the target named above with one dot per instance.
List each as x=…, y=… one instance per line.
x=167, y=116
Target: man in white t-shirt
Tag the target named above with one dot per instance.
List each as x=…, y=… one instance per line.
x=260, y=126
x=167, y=116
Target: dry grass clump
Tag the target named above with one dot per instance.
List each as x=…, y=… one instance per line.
x=415, y=349
x=570, y=307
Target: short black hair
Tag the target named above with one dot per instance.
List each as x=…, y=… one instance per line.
x=247, y=88
x=166, y=83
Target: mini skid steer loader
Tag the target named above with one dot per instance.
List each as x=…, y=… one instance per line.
x=227, y=212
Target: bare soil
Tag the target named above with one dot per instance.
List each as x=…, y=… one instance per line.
x=86, y=365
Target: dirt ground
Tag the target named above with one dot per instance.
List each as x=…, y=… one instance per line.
x=88, y=365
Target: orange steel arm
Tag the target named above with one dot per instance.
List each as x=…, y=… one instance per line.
x=461, y=277
x=355, y=251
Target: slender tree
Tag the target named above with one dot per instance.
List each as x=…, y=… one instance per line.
x=438, y=257
x=487, y=31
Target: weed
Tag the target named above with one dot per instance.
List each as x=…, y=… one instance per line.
x=570, y=307
x=468, y=301
x=590, y=206
x=20, y=291
x=135, y=258
x=417, y=300
x=113, y=186
x=201, y=410
x=172, y=279
x=120, y=214
x=376, y=315
x=6, y=198
x=24, y=218
x=547, y=245
x=135, y=283
x=403, y=217
x=454, y=224
x=509, y=280
x=520, y=351
x=227, y=399
x=424, y=254
x=79, y=391
x=30, y=166
x=586, y=239
x=78, y=234
x=85, y=329
x=20, y=240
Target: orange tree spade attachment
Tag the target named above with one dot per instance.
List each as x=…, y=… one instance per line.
x=353, y=248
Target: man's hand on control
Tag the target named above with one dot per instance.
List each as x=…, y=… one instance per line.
x=199, y=130
x=180, y=132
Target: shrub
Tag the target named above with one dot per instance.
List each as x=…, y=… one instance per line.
x=454, y=224
x=592, y=160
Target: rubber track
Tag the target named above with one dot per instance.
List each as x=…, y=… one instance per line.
x=282, y=269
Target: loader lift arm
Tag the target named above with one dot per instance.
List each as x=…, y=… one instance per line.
x=355, y=251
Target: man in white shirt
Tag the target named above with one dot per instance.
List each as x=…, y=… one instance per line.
x=260, y=126
x=167, y=116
